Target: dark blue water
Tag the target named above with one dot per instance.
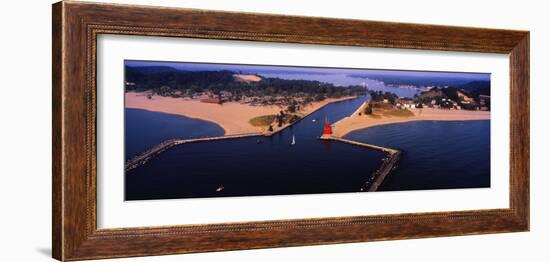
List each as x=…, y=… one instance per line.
x=144, y=129
x=436, y=154
x=259, y=165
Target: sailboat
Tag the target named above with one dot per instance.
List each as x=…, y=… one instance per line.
x=293, y=140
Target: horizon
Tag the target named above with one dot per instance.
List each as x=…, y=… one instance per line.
x=276, y=69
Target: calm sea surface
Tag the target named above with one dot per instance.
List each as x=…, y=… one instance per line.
x=144, y=129
x=436, y=154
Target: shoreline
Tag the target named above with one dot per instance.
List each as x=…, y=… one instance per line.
x=174, y=114
x=309, y=113
x=356, y=122
x=232, y=117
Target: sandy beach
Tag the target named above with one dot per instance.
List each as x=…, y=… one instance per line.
x=233, y=117
x=356, y=122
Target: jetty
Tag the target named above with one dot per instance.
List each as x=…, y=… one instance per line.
x=146, y=155
x=390, y=151
x=380, y=175
x=389, y=163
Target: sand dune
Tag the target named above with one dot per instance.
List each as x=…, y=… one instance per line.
x=356, y=122
x=247, y=78
x=233, y=117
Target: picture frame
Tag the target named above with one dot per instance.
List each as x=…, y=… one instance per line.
x=75, y=29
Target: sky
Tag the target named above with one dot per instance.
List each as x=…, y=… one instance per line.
x=258, y=69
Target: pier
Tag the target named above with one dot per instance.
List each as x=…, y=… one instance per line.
x=159, y=148
x=388, y=164
x=380, y=175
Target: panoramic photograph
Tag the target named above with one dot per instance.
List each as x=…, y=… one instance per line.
x=201, y=130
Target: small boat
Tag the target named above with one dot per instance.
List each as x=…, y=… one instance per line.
x=314, y=120
x=259, y=141
x=293, y=140
x=220, y=188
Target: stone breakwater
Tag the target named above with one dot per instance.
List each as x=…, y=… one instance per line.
x=159, y=148
x=388, y=164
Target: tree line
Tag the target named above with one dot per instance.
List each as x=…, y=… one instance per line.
x=168, y=80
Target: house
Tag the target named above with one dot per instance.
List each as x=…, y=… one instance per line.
x=225, y=94
x=464, y=97
x=484, y=99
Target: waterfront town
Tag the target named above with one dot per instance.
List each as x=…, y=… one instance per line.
x=260, y=110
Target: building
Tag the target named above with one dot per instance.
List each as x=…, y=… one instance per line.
x=484, y=99
x=327, y=131
x=464, y=97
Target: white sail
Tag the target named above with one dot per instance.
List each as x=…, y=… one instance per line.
x=293, y=140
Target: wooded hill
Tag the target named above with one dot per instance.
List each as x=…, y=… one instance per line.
x=167, y=80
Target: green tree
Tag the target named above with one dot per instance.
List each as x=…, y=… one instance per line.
x=319, y=97
x=164, y=90
x=294, y=118
x=280, y=120
x=292, y=108
x=368, y=110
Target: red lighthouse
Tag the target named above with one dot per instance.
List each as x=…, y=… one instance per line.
x=327, y=131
